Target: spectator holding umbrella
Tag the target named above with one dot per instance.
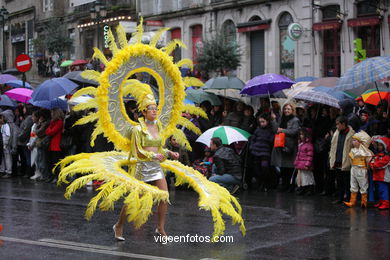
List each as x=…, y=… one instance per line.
x=284, y=157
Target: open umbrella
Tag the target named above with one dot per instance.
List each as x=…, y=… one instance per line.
x=18, y=84
x=367, y=71
x=374, y=96
x=76, y=100
x=224, y=83
x=340, y=95
x=76, y=77
x=198, y=96
x=5, y=101
x=228, y=135
x=20, y=94
x=325, y=82
x=53, y=88
x=66, y=63
x=297, y=88
x=318, y=97
x=6, y=77
x=79, y=62
x=50, y=104
x=12, y=71
x=305, y=78
x=266, y=84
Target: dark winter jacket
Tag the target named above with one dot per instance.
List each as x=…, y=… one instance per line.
x=227, y=162
x=25, y=129
x=262, y=141
x=233, y=119
x=347, y=109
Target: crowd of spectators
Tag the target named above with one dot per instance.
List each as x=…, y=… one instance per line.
x=313, y=159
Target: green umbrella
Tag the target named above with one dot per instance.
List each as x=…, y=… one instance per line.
x=198, y=96
x=224, y=83
x=66, y=63
x=227, y=134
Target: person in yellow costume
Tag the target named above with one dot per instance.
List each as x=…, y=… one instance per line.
x=147, y=147
x=138, y=145
x=360, y=156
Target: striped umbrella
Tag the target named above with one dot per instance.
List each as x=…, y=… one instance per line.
x=318, y=97
x=297, y=88
x=374, y=96
x=367, y=71
x=340, y=95
x=228, y=135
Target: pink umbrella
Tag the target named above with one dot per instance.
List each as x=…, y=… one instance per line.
x=20, y=94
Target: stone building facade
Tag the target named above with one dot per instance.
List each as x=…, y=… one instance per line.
x=261, y=27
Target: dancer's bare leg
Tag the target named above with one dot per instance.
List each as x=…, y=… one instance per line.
x=162, y=207
x=121, y=221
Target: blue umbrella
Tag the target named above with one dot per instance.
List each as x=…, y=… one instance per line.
x=188, y=102
x=18, y=84
x=6, y=101
x=53, y=88
x=50, y=104
x=337, y=94
x=367, y=71
x=306, y=78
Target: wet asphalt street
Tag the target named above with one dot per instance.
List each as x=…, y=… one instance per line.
x=39, y=223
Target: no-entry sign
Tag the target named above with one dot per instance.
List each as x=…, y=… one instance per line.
x=23, y=63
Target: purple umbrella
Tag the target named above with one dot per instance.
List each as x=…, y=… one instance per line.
x=266, y=84
x=6, y=77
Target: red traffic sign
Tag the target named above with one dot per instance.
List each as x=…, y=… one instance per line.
x=23, y=63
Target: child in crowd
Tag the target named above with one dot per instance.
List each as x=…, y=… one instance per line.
x=261, y=145
x=32, y=147
x=304, y=163
x=381, y=172
x=205, y=165
x=360, y=156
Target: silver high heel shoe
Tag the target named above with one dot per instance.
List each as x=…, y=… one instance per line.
x=119, y=238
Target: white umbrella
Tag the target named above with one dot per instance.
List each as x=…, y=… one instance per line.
x=228, y=135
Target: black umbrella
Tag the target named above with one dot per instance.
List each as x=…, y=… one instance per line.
x=12, y=71
x=76, y=77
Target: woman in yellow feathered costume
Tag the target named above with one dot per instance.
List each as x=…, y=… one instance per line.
x=138, y=145
x=147, y=148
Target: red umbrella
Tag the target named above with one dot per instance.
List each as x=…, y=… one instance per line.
x=79, y=62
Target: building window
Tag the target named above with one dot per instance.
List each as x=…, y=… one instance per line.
x=331, y=43
x=229, y=31
x=287, y=46
x=370, y=35
x=330, y=12
x=366, y=8
x=176, y=34
x=47, y=5
x=196, y=37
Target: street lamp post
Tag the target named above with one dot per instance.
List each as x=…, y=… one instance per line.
x=4, y=17
x=98, y=12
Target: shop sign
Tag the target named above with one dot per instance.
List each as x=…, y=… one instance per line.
x=106, y=28
x=18, y=38
x=295, y=31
